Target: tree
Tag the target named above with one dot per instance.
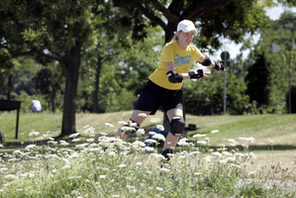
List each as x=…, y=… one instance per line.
x=48, y=82
x=277, y=43
x=257, y=81
x=56, y=30
x=230, y=18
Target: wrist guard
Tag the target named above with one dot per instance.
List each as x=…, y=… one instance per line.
x=196, y=74
x=174, y=77
x=219, y=66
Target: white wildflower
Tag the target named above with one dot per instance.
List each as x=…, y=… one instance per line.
x=109, y=124
x=128, y=129
x=202, y=142
x=122, y=122
x=150, y=141
x=231, y=140
x=64, y=143
x=140, y=132
x=208, y=158
x=143, y=115
x=122, y=166
x=76, y=140
x=111, y=153
x=90, y=140
x=226, y=153
x=67, y=164
x=159, y=189
x=183, y=142
x=160, y=127
x=166, y=170
x=198, y=135
x=52, y=142
x=81, y=145
x=158, y=156
x=103, y=176
x=74, y=135
x=17, y=152
x=151, y=133
x=139, y=164
x=138, y=144
x=217, y=154
x=158, y=137
x=10, y=176
x=197, y=173
x=149, y=149
x=34, y=133
x=103, y=133
x=30, y=146
x=247, y=139
x=215, y=131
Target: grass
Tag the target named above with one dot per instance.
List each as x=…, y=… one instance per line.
x=101, y=166
x=266, y=129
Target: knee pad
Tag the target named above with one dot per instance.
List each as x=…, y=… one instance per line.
x=177, y=126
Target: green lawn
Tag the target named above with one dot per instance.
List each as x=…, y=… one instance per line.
x=115, y=168
x=266, y=129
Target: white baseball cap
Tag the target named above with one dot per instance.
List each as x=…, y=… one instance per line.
x=186, y=26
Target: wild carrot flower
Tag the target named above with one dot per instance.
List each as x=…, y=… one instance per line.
x=215, y=131
x=140, y=132
x=198, y=135
x=34, y=133
x=158, y=137
x=109, y=124
x=74, y=135
x=160, y=127
x=143, y=115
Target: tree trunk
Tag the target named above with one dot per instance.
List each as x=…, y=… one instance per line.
x=97, y=86
x=9, y=87
x=70, y=64
x=52, y=101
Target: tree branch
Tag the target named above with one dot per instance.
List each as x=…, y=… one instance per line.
x=176, y=6
x=32, y=52
x=146, y=12
x=164, y=10
x=198, y=10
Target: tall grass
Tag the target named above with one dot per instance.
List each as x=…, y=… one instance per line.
x=109, y=167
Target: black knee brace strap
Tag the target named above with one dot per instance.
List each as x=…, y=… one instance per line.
x=177, y=126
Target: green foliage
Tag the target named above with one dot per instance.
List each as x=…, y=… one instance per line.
x=276, y=44
x=205, y=97
x=257, y=81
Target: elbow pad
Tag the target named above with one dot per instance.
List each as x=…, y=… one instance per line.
x=207, y=61
x=174, y=77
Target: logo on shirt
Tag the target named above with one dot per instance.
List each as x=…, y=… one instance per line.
x=181, y=60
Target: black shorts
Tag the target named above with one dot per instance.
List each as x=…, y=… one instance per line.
x=153, y=97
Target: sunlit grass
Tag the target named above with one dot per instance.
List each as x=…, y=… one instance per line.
x=92, y=163
x=89, y=166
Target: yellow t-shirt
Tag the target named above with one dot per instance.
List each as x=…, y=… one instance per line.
x=183, y=59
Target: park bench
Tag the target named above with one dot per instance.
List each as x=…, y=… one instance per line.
x=9, y=105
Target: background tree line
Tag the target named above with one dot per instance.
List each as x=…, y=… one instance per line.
x=95, y=56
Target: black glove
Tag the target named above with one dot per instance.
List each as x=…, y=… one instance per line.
x=219, y=66
x=174, y=77
x=196, y=74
